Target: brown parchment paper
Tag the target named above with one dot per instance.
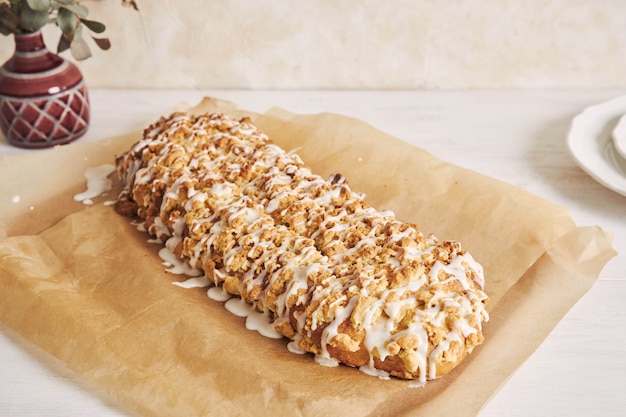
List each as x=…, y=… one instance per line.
x=86, y=286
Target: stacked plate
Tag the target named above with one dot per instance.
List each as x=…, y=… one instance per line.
x=597, y=141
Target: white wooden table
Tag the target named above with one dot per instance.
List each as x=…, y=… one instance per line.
x=517, y=137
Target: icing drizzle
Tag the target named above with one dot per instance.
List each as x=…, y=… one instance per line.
x=307, y=256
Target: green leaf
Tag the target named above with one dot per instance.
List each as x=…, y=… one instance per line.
x=77, y=9
x=5, y=30
x=67, y=22
x=8, y=19
x=78, y=34
x=103, y=43
x=94, y=26
x=64, y=44
x=80, y=49
x=39, y=5
x=33, y=19
x=56, y=4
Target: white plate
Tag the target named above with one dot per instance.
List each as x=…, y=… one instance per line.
x=590, y=143
x=619, y=136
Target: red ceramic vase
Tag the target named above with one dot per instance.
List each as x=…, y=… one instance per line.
x=43, y=98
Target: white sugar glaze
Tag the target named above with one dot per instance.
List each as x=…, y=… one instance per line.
x=218, y=294
x=258, y=207
x=259, y=322
x=175, y=265
x=255, y=320
x=194, y=282
x=98, y=183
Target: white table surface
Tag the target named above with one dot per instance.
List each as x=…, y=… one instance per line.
x=517, y=137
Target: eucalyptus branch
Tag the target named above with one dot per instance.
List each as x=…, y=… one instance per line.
x=70, y=16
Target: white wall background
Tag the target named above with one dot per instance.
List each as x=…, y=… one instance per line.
x=330, y=44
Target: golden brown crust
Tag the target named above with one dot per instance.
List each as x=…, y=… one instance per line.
x=126, y=208
x=344, y=281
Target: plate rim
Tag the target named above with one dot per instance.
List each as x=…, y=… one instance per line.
x=619, y=136
x=591, y=122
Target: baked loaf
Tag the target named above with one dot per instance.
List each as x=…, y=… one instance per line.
x=344, y=281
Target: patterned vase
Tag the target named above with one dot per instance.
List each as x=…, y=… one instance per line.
x=43, y=98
